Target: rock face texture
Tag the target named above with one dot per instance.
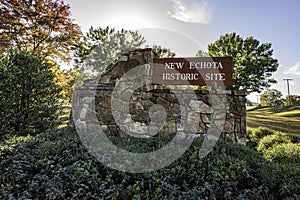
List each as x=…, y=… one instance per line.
x=113, y=104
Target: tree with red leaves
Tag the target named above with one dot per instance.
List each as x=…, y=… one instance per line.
x=38, y=26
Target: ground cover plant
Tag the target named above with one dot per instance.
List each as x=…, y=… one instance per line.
x=55, y=165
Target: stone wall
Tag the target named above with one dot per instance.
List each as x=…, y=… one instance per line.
x=222, y=109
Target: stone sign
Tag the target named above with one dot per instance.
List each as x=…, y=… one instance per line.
x=224, y=110
x=202, y=71
x=126, y=102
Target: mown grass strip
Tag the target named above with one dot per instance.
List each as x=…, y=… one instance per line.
x=285, y=119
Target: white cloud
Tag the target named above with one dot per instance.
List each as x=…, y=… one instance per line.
x=191, y=11
x=294, y=69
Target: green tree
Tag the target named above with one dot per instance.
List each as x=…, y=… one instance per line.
x=271, y=97
x=29, y=97
x=38, y=26
x=100, y=48
x=41, y=27
x=253, y=63
x=65, y=80
x=163, y=52
x=202, y=53
x=292, y=100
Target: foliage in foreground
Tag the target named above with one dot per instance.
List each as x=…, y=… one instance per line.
x=55, y=165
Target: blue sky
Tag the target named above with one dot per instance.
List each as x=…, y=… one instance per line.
x=186, y=26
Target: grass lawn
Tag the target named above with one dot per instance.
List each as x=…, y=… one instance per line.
x=285, y=119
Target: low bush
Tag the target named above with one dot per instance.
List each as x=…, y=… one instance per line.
x=284, y=153
x=280, y=147
x=254, y=136
x=269, y=141
x=55, y=165
x=294, y=138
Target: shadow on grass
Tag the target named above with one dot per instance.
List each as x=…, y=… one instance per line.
x=278, y=126
x=284, y=109
x=285, y=119
x=258, y=108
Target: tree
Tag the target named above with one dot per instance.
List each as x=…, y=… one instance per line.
x=202, y=53
x=253, y=63
x=38, y=26
x=163, y=52
x=292, y=100
x=65, y=80
x=101, y=48
x=29, y=97
x=271, y=97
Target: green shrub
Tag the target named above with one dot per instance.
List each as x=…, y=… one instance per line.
x=29, y=97
x=8, y=145
x=284, y=153
x=254, y=136
x=55, y=165
x=269, y=141
x=279, y=147
x=294, y=138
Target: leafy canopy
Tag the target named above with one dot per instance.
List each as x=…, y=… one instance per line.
x=100, y=48
x=271, y=97
x=292, y=100
x=163, y=52
x=38, y=26
x=253, y=63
